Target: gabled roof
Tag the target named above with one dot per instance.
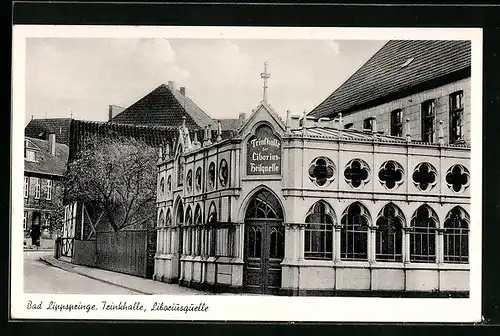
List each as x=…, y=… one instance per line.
x=166, y=107
x=40, y=129
x=230, y=124
x=45, y=162
x=398, y=68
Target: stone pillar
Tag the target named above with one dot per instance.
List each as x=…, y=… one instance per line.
x=406, y=244
x=337, y=238
x=372, y=238
x=440, y=246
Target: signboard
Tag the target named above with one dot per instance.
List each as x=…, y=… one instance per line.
x=264, y=152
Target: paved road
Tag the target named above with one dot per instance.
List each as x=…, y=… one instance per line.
x=42, y=278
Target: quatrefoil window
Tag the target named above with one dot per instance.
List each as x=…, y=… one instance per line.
x=391, y=174
x=321, y=171
x=357, y=173
x=223, y=173
x=458, y=178
x=424, y=176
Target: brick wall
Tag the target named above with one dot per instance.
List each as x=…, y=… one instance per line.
x=412, y=106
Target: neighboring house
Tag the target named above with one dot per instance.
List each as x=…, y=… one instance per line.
x=44, y=167
x=420, y=83
x=314, y=210
x=41, y=128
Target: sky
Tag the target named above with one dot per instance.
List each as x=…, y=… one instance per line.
x=81, y=77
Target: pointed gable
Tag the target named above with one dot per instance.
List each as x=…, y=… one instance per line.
x=398, y=68
x=164, y=106
x=263, y=112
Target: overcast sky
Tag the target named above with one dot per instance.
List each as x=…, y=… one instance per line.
x=84, y=76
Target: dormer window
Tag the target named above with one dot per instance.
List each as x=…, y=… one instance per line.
x=29, y=155
x=368, y=124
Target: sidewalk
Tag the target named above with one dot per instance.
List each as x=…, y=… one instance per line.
x=130, y=282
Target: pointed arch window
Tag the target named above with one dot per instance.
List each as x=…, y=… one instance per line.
x=187, y=231
x=161, y=219
x=180, y=171
x=168, y=220
x=198, y=220
x=389, y=236
x=319, y=232
x=423, y=235
x=354, y=232
x=223, y=173
x=162, y=185
x=264, y=205
x=212, y=214
x=211, y=176
x=456, y=236
x=180, y=214
x=169, y=184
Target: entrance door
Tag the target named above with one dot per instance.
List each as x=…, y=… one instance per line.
x=264, y=244
x=35, y=229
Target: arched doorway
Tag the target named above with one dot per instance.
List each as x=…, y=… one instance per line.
x=264, y=243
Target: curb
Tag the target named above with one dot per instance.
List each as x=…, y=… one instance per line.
x=58, y=264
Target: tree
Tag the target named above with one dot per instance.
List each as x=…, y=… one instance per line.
x=118, y=177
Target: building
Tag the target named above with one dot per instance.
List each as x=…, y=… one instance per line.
x=306, y=207
x=419, y=83
x=44, y=167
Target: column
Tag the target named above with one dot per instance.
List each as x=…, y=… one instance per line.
x=440, y=246
x=372, y=236
x=337, y=239
x=406, y=244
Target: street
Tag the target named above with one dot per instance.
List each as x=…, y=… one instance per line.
x=42, y=278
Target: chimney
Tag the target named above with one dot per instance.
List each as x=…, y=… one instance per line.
x=110, y=112
x=171, y=85
x=288, y=120
x=182, y=89
x=295, y=121
x=52, y=144
x=219, y=131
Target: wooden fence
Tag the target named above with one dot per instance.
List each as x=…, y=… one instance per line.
x=130, y=252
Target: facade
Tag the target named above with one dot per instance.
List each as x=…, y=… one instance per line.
x=414, y=83
x=305, y=207
x=44, y=166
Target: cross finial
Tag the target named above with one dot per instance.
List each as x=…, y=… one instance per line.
x=265, y=76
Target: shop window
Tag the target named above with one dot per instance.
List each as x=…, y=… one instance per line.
x=49, y=190
x=424, y=176
x=319, y=232
x=457, y=178
x=456, y=116
x=428, y=118
x=357, y=173
x=354, y=233
x=456, y=236
x=211, y=176
x=189, y=180
x=321, y=171
x=198, y=177
x=162, y=185
x=389, y=236
x=397, y=123
x=26, y=186
x=423, y=235
x=391, y=174
x=37, y=188
x=368, y=124
x=223, y=173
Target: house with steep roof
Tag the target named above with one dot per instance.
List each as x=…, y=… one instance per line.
x=424, y=84
x=44, y=167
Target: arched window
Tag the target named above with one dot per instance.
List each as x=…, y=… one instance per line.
x=212, y=214
x=197, y=215
x=456, y=236
x=188, y=221
x=264, y=205
x=354, y=234
x=189, y=180
x=198, y=178
x=319, y=232
x=169, y=218
x=389, y=237
x=180, y=171
x=223, y=173
x=211, y=176
x=161, y=219
x=169, y=184
x=423, y=235
x=162, y=185
x=198, y=222
x=180, y=214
